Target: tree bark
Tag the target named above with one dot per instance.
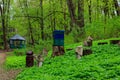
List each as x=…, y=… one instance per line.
x=71, y=10
x=106, y=12
x=31, y=32
x=58, y=50
x=117, y=7
x=41, y=20
x=80, y=20
x=54, y=21
x=3, y=19
x=81, y=13
x=90, y=11
x=51, y=17
x=106, y=9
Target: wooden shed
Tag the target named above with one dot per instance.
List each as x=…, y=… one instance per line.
x=17, y=42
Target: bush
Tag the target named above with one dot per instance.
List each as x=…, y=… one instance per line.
x=19, y=52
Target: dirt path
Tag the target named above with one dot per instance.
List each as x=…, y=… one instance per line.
x=4, y=74
x=2, y=58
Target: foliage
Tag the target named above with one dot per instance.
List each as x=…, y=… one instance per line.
x=56, y=14
x=102, y=64
x=96, y=29
x=19, y=52
x=38, y=47
x=15, y=62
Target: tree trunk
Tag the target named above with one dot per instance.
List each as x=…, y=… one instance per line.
x=71, y=10
x=58, y=50
x=90, y=11
x=81, y=13
x=54, y=21
x=106, y=12
x=80, y=21
x=63, y=6
x=41, y=20
x=31, y=32
x=51, y=17
x=4, y=32
x=3, y=19
x=117, y=7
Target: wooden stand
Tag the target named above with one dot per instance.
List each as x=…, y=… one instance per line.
x=114, y=41
x=58, y=50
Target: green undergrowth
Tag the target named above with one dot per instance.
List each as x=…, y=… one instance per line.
x=102, y=64
x=15, y=62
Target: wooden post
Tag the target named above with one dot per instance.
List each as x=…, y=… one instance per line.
x=87, y=52
x=58, y=50
x=88, y=42
x=79, y=52
x=39, y=58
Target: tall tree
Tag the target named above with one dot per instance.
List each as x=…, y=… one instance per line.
x=106, y=8
x=29, y=22
x=71, y=10
x=106, y=13
x=41, y=20
x=81, y=13
x=4, y=9
x=90, y=11
x=80, y=21
x=50, y=17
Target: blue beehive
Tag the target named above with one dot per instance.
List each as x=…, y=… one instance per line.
x=58, y=36
x=58, y=42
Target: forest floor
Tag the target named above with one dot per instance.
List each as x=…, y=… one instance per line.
x=6, y=74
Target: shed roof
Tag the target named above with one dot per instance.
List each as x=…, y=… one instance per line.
x=17, y=37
